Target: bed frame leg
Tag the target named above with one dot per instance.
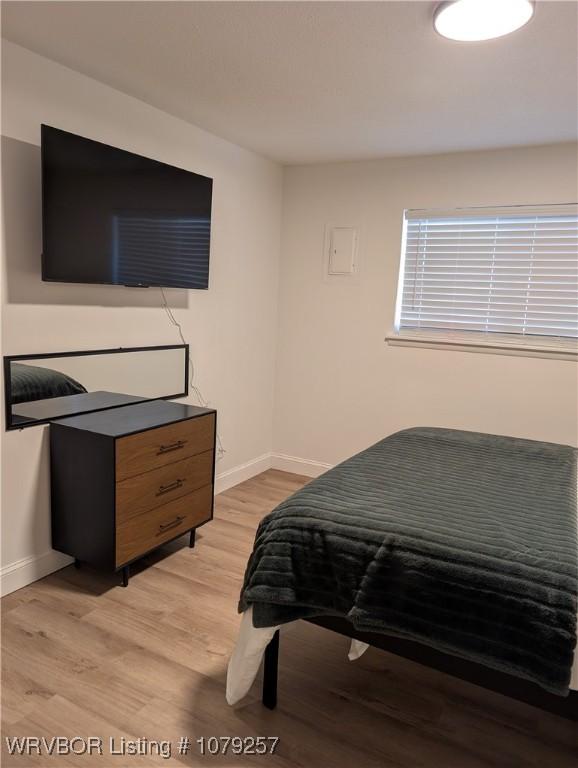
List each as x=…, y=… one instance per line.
x=270, y=672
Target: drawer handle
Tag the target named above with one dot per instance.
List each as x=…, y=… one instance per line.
x=173, y=524
x=170, y=487
x=171, y=447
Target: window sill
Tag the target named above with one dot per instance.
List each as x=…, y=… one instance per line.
x=461, y=344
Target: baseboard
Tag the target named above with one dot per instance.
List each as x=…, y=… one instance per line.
x=29, y=569
x=242, y=472
x=298, y=466
x=294, y=464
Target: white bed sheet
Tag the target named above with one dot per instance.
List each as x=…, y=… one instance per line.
x=248, y=654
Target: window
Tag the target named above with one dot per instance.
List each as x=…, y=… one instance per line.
x=503, y=277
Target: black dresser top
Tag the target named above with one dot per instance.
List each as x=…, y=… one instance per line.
x=126, y=420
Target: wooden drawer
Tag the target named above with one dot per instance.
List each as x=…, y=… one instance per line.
x=154, y=448
x=159, y=486
x=144, y=532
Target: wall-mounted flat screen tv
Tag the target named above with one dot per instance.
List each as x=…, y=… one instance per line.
x=110, y=216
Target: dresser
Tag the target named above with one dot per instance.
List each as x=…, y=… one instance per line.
x=127, y=480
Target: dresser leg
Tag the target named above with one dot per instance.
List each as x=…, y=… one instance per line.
x=192, y=538
x=125, y=575
x=77, y=563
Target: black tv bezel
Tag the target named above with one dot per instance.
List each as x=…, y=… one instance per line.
x=43, y=128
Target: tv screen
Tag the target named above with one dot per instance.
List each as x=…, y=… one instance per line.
x=110, y=216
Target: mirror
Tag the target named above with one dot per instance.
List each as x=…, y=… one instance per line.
x=42, y=388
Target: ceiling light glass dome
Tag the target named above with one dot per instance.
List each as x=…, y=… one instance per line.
x=470, y=20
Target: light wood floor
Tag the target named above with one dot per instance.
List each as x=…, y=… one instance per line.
x=83, y=656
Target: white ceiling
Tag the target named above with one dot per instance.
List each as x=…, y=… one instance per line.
x=321, y=81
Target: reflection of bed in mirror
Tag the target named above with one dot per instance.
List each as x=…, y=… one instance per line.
x=33, y=382
x=42, y=388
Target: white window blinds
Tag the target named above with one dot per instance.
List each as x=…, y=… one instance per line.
x=505, y=275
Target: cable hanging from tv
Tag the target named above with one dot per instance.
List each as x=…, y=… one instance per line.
x=193, y=387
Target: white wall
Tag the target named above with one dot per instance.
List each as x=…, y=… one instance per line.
x=340, y=387
x=231, y=327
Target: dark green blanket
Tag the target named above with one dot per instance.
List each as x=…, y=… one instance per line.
x=462, y=541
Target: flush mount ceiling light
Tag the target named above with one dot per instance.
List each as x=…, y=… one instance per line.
x=470, y=20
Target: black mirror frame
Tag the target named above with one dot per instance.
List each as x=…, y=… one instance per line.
x=83, y=353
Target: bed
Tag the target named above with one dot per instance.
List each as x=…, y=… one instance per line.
x=456, y=549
